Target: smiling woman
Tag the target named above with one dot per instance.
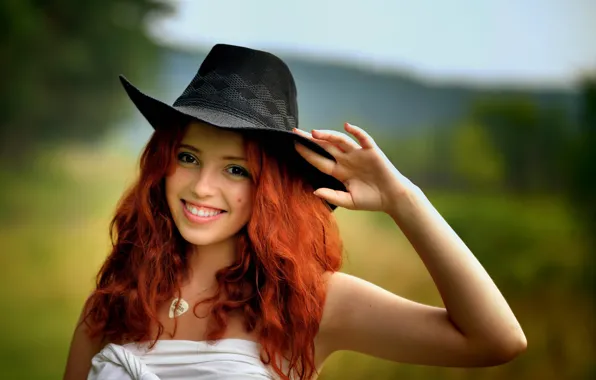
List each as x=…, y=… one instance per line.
x=232, y=214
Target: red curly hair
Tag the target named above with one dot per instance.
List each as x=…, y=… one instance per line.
x=276, y=281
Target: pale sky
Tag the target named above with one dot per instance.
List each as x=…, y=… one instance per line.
x=528, y=41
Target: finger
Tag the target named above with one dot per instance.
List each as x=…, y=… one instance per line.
x=343, y=141
x=336, y=197
x=324, y=142
x=324, y=164
x=332, y=149
x=302, y=133
x=363, y=138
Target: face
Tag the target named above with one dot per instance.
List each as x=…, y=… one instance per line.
x=210, y=190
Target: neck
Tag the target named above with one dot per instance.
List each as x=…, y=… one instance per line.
x=205, y=261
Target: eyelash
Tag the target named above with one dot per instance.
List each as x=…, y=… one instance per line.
x=243, y=171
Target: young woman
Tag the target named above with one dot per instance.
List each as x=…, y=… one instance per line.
x=226, y=255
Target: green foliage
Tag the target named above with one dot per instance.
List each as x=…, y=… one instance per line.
x=412, y=155
x=475, y=159
x=581, y=178
x=60, y=61
x=523, y=242
x=417, y=156
x=531, y=140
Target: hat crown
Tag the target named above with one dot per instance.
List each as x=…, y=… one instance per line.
x=254, y=85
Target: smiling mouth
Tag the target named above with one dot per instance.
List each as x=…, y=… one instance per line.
x=202, y=212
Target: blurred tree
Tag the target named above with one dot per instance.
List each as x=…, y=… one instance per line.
x=531, y=140
x=582, y=172
x=475, y=159
x=59, y=61
x=413, y=156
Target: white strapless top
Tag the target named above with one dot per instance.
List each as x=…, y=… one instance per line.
x=230, y=359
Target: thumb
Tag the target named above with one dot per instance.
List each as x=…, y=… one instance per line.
x=338, y=198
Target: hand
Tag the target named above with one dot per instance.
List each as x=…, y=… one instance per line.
x=370, y=178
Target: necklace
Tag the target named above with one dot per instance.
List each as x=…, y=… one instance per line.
x=179, y=306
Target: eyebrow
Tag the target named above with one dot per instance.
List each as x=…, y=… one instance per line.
x=197, y=150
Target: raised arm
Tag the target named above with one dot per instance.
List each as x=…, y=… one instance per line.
x=476, y=327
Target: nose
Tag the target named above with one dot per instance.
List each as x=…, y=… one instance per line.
x=205, y=184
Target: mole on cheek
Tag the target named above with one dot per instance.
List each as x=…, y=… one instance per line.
x=239, y=200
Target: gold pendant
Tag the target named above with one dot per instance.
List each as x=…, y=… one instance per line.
x=178, y=311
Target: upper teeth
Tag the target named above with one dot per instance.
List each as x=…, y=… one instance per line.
x=202, y=211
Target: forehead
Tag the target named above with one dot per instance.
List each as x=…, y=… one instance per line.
x=209, y=138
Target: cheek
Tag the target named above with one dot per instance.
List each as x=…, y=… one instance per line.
x=242, y=203
x=176, y=182
x=178, y=178
x=243, y=199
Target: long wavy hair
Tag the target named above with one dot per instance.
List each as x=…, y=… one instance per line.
x=276, y=282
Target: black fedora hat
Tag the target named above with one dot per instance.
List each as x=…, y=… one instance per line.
x=238, y=88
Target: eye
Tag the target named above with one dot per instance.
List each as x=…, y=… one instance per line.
x=238, y=171
x=187, y=158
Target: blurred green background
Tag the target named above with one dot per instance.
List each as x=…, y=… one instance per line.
x=511, y=167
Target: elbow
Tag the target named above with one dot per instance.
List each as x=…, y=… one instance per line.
x=505, y=351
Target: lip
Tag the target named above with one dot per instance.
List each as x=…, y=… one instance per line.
x=200, y=219
x=201, y=205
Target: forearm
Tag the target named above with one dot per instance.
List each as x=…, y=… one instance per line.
x=475, y=305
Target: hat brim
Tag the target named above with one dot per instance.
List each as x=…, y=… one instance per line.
x=160, y=115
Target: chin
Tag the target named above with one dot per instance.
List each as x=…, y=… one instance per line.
x=201, y=238
x=208, y=236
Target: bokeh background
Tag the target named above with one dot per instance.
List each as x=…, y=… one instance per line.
x=489, y=106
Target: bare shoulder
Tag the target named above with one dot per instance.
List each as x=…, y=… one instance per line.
x=362, y=317
x=82, y=349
